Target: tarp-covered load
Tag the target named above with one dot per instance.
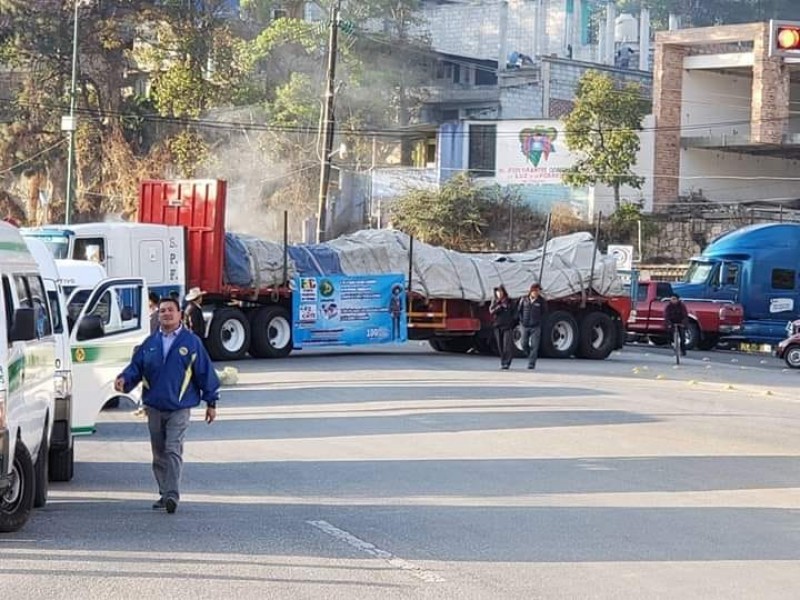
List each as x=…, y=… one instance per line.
x=436, y=272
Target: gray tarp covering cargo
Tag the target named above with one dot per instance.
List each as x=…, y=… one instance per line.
x=441, y=273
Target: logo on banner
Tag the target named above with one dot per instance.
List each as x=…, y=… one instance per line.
x=537, y=143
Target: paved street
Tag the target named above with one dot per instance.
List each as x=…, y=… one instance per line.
x=425, y=475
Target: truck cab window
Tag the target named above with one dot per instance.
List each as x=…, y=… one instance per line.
x=783, y=279
x=91, y=249
x=731, y=276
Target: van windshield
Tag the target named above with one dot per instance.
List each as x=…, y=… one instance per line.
x=698, y=272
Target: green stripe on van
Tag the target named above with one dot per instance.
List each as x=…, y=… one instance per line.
x=83, y=430
x=14, y=246
x=101, y=354
x=15, y=371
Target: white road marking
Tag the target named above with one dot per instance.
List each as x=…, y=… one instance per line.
x=372, y=550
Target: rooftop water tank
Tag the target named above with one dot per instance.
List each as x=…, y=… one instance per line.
x=626, y=29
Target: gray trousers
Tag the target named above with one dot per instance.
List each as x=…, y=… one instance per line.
x=167, y=431
x=531, y=338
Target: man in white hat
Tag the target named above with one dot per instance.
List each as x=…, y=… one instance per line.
x=193, y=318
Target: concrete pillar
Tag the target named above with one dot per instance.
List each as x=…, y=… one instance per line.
x=667, y=101
x=770, y=105
x=644, y=40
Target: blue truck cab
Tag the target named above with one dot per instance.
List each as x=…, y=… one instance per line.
x=757, y=266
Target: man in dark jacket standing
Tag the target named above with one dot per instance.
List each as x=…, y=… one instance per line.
x=504, y=319
x=676, y=315
x=532, y=309
x=176, y=375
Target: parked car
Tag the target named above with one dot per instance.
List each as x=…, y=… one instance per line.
x=789, y=349
x=709, y=320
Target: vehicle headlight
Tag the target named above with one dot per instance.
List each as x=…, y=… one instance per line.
x=63, y=384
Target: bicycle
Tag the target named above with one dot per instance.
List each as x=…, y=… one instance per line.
x=677, y=332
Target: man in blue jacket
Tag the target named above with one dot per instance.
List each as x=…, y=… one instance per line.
x=176, y=375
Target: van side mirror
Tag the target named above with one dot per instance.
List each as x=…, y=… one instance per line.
x=90, y=328
x=24, y=326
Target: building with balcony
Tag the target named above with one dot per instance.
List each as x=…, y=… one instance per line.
x=725, y=128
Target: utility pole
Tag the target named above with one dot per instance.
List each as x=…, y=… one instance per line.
x=68, y=124
x=328, y=124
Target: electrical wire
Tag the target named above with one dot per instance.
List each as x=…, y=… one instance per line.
x=32, y=158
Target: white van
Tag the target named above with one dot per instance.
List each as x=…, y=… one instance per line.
x=27, y=382
x=61, y=460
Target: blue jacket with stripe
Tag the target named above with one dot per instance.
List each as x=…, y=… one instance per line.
x=181, y=380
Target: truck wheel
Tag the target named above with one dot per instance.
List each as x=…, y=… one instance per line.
x=457, y=345
x=271, y=333
x=62, y=464
x=16, y=504
x=436, y=344
x=708, y=342
x=559, y=335
x=692, y=335
x=659, y=340
x=598, y=336
x=229, y=335
x=792, y=356
x=41, y=485
x=483, y=345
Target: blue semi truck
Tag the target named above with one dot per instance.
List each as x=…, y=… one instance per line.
x=757, y=266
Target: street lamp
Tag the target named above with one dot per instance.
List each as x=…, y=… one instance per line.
x=69, y=123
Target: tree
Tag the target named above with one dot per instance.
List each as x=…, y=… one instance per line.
x=603, y=128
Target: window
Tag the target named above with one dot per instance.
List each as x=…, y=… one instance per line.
x=119, y=308
x=485, y=75
x=663, y=290
x=731, y=276
x=41, y=311
x=55, y=312
x=482, y=149
x=782, y=279
x=9, y=302
x=698, y=272
x=91, y=249
x=23, y=296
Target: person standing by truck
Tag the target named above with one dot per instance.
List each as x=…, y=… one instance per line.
x=504, y=319
x=532, y=309
x=193, y=314
x=177, y=374
x=676, y=315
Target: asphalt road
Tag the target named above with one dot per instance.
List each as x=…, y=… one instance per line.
x=421, y=475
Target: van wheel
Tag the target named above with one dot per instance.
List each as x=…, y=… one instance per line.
x=559, y=335
x=41, y=487
x=16, y=504
x=598, y=336
x=62, y=464
x=271, y=333
x=229, y=335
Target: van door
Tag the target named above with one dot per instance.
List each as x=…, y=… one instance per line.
x=109, y=327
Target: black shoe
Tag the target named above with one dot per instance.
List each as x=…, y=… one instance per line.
x=531, y=367
x=159, y=504
x=505, y=367
x=683, y=352
x=171, y=504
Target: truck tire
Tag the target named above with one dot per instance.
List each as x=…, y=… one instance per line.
x=659, y=340
x=271, y=333
x=457, y=345
x=692, y=335
x=62, y=464
x=229, y=335
x=598, y=336
x=16, y=504
x=559, y=335
x=40, y=471
x=708, y=342
x=436, y=344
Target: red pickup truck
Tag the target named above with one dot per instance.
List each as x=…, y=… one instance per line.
x=708, y=319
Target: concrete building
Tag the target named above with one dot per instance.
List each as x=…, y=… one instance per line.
x=725, y=128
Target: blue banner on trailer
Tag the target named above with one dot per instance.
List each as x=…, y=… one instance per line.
x=341, y=310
